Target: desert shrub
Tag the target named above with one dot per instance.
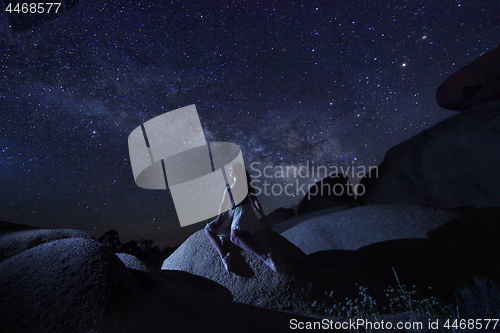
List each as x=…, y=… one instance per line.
x=405, y=305
x=476, y=299
x=479, y=298
x=404, y=300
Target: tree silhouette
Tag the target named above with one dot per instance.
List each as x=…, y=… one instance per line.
x=142, y=249
x=111, y=240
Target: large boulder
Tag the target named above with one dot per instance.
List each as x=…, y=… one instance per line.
x=476, y=83
x=67, y=285
x=253, y=283
x=452, y=164
x=361, y=226
x=332, y=191
x=15, y=239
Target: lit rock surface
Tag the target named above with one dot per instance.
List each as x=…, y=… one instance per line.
x=132, y=262
x=12, y=243
x=252, y=281
x=361, y=226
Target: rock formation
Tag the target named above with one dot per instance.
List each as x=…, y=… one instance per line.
x=476, y=83
x=361, y=226
x=71, y=284
x=12, y=243
x=452, y=164
x=253, y=282
x=64, y=281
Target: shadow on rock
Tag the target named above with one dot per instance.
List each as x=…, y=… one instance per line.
x=333, y=191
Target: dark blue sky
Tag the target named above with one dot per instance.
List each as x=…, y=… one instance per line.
x=329, y=82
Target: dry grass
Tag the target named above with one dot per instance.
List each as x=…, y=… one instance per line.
x=478, y=298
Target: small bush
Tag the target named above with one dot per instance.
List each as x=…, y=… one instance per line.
x=478, y=299
x=412, y=301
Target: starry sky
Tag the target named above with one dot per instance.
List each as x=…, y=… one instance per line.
x=329, y=82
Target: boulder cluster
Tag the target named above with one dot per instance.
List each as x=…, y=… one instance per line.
x=54, y=280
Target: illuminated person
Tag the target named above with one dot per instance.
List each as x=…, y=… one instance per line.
x=240, y=223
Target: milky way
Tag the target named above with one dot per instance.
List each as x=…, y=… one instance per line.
x=334, y=83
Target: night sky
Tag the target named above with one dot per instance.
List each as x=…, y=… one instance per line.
x=329, y=82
